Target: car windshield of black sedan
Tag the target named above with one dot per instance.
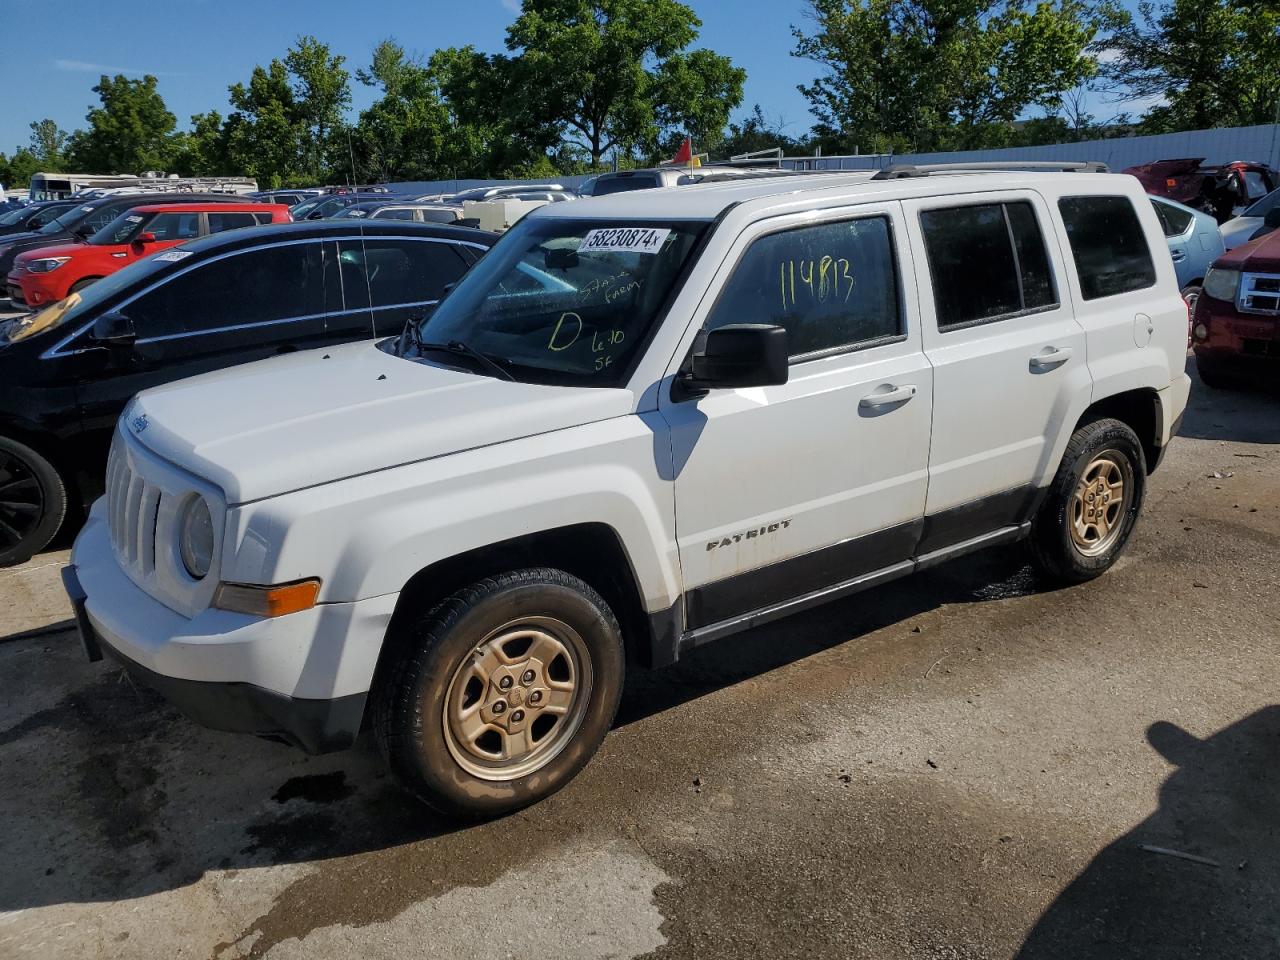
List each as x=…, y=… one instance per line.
x=67, y=220
x=566, y=300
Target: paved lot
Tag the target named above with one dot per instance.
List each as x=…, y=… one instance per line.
x=957, y=766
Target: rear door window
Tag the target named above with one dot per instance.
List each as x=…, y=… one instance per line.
x=833, y=286
x=391, y=272
x=219, y=222
x=987, y=262
x=394, y=213
x=1173, y=220
x=1108, y=245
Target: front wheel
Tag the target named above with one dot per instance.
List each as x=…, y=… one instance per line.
x=500, y=694
x=33, y=502
x=1092, y=504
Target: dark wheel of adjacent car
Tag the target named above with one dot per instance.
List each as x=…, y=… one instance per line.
x=33, y=502
x=1190, y=294
x=500, y=694
x=81, y=284
x=1213, y=379
x=1092, y=504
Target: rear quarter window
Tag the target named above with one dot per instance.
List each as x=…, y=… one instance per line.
x=1108, y=245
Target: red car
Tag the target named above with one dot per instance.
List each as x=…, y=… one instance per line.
x=1218, y=188
x=47, y=274
x=1235, y=329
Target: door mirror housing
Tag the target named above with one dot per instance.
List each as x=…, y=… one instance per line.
x=740, y=355
x=115, y=330
x=146, y=237
x=1272, y=219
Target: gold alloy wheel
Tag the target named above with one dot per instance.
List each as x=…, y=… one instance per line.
x=1101, y=502
x=517, y=699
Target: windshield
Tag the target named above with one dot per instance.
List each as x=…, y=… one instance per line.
x=567, y=301
x=120, y=230
x=84, y=303
x=607, y=185
x=302, y=209
x=14, y=216
x=67, y=221
x=1264, y=206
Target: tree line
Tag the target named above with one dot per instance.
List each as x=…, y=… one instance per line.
x=582, y=83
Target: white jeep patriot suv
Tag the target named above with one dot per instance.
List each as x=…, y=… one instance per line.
x=641, y=423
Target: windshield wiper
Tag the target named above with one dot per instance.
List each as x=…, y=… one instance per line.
x=458, y=348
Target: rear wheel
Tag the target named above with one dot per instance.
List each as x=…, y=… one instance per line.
x=1190, y=294
x=33, y=502
x=501, y=693
x=1092, y=504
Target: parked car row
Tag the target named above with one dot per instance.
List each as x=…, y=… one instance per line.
x=67, y=371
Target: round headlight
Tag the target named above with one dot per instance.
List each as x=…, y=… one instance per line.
x=195, y=542
x=1221, y=283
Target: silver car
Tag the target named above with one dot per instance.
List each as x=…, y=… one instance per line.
x=1194, y=243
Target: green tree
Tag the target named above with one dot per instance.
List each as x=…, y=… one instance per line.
x=755, y=133
x=129, y=133
x=48, y=143
x=263, y=135
x=20, y=167
x=940, y=74
x=1213, y=63
x=322, y=94
x=616, y=73
x=204, y=150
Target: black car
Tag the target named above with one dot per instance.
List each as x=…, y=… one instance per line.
x=68, y=371
x=85, y=219
x=328, y=206
x=33, y=216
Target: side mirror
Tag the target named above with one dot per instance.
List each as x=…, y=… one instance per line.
x=741, y=355
x=146, y=237
x=1272, y=219
x=115, y=330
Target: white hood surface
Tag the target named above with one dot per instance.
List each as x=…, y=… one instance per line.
x=304, y=419
x=1238, y=230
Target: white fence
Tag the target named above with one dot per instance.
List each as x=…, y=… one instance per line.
x=1259, y=143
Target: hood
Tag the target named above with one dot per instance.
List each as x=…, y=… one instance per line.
x=1256, y=256
x=1239, y=229
x=16, y=243
x=314, y=417
x=54, y=250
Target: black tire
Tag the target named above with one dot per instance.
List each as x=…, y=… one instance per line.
x=1190, y=294
x=1054, y=549
x=410, y=693
x=1213, y=379
x=33, y=502
x=81, y=284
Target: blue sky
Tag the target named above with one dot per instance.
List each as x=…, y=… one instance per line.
x=198, y=47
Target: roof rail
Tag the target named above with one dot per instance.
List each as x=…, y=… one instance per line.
x=899, y=170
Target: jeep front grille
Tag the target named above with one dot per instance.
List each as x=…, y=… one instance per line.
x=132, y=505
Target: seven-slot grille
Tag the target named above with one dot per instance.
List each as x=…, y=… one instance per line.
x=132, y=505
x=1260, y=293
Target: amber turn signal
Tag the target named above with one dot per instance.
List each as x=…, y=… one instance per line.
x=262, y=601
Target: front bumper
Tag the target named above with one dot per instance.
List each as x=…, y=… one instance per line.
x=303, y=678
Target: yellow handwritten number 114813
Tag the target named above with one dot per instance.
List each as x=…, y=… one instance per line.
x=825, y=279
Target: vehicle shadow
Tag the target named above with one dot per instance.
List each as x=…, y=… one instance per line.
x=108, y=794
x=989, y=575
x=1242, y=414
x=1219, y=804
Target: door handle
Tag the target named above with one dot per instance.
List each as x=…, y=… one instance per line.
x=889, y=397
x=1178, y=256
x=1050, y=357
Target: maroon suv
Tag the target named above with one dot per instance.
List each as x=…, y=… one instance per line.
x=1235, y=329
x=1218, y=188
